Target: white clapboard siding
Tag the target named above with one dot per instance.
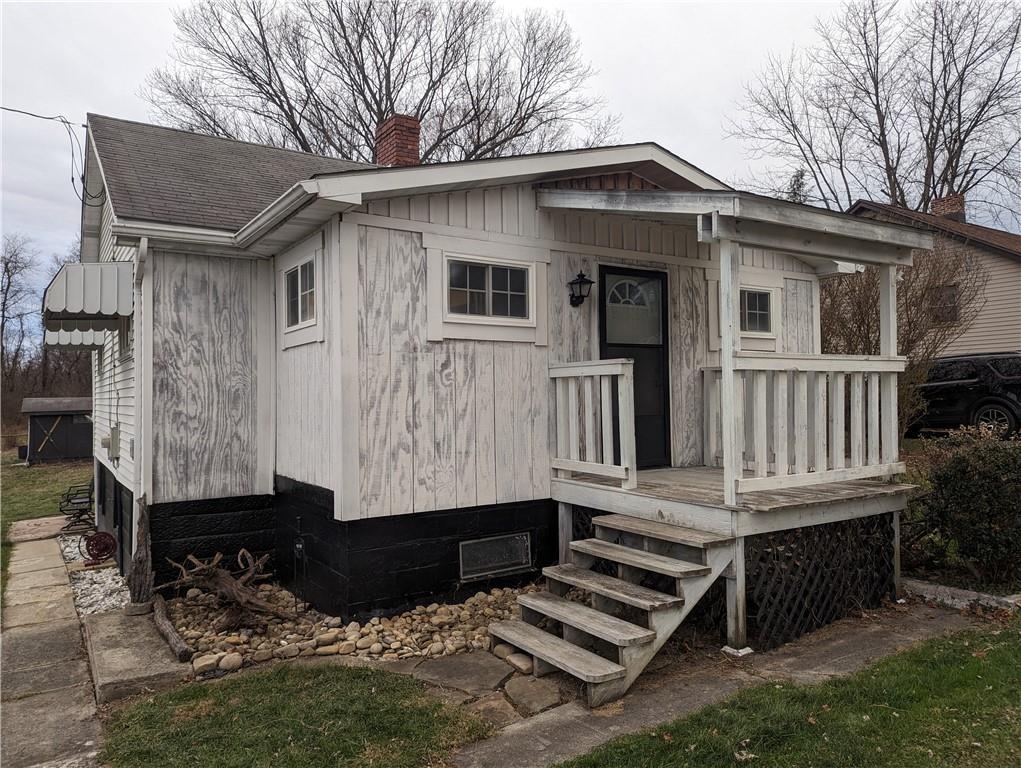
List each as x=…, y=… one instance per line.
x=204, y=387
x=113, y=378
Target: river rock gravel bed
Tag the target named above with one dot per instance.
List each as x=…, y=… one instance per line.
x=432, y=630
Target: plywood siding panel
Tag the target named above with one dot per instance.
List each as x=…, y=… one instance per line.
x=485, y=425
x=204, y=387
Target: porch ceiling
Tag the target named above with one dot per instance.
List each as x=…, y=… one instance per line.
x=754, y=220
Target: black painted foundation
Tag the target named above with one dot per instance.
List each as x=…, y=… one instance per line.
x=205, y=527
x=355, y=568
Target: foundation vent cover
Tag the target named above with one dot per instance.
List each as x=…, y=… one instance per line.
x=495, y=556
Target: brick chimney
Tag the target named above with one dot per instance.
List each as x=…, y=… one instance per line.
x=950, y=207
x=397, y=141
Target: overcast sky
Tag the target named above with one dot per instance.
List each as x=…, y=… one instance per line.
x=672, y=70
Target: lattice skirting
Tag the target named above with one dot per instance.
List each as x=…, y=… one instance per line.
x=800, y=579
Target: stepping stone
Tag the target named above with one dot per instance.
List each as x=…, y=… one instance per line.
x=27, y=647
x=40, y=528
x=531, y=695
x=42, y=612
x=51, y=594
x=522, y=662
x=49, y=577
x=49, y=726
x=496, y=709
x=474, y=673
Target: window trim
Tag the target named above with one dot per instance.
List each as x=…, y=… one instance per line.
x=772, y=293
x=491, y=320
x=315, y=290
x=310, y=249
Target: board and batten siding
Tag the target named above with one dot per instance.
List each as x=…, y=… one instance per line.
x=450, y=424
x=462, y=423
x=113, y=377
x=208, y=366
x=307, y=394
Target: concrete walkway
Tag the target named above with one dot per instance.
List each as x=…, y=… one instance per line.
x=49, y=712
x=689, y=682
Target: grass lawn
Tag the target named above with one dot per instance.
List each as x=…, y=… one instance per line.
x=291, y=715
x=27, y=492
x=950, y=702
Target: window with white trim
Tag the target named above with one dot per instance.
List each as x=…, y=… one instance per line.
x=300, y=295
x=487, y=290
x=756, y=311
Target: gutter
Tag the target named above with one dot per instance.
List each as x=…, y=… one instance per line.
x=301, y=195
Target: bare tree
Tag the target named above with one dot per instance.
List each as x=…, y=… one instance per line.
x=16, y=304
x=938, y=297
x=28, y=368
x=320, y=75
x=899, y=102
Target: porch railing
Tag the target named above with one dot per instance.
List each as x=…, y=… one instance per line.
x=805, y=419
x=586, y=405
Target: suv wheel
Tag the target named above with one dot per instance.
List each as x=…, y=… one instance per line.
x=996, y=416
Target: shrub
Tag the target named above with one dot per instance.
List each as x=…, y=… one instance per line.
x=974, y=500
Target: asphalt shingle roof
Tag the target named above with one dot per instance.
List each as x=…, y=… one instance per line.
x=171, y=176
x=1006, y=242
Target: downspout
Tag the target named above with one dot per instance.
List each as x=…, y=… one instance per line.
x=142, y=356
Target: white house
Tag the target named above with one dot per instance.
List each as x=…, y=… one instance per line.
x=391, y=376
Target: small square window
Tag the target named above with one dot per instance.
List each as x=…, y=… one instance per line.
x=300, y=294
x=125, y=337
x=487, y=290
x=755, y=311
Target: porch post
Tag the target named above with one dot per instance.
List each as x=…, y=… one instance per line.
x=888, y=348
x=565, y=529
x=737, y=604
x=730, y=345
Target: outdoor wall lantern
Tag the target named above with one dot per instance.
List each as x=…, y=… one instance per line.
x=580, y=288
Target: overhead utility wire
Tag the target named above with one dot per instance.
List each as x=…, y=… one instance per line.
x=77, y=160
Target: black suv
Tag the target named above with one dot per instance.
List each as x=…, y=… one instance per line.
x=973, y=389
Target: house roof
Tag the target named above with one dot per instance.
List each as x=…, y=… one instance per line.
x=56, y=405
x=999, y=240
x=172, y=176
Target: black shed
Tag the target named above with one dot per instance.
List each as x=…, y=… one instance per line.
x=59, y=428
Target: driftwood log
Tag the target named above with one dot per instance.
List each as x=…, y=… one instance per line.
x=243, y=602
x=140, y=578
x=181, y=650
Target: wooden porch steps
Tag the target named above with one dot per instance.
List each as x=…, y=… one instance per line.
x=636, y=558
x=588, y=620
x=615, y=589
x=575, y=661
x=652, y=529
x=600, y=638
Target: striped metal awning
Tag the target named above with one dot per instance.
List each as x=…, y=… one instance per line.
x=89, y=297
x=75, y=339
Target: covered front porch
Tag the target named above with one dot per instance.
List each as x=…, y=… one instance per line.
x=779, y=430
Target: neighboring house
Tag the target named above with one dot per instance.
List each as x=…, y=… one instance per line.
x=997, y=327
x=59, y=428
x=403, y=381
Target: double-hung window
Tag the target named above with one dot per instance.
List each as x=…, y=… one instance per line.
x=487, y=290
x=300, y=291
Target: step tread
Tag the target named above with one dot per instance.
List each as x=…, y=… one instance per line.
x=649, y=561
x=589, y=620
x=576, y=661
x=662, y=531
x=612, y=587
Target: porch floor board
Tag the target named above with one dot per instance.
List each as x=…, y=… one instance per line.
x=704, y=486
